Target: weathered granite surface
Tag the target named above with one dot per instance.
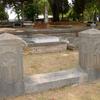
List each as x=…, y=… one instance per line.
x=90, y=52
x=43, y=82
x=11, y=65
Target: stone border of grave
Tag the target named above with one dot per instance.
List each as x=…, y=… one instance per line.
x=48, y=47
x=86, y=72
x=42, y=82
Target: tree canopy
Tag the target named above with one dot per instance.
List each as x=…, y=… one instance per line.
x=3, y=14
x=79, y=8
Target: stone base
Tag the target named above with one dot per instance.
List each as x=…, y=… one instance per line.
x=93, y=74
x=43, y=82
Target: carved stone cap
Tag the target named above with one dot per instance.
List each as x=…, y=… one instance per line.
x=7, y=38
x=90, y=32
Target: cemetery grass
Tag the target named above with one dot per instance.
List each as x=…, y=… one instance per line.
x=49, y=62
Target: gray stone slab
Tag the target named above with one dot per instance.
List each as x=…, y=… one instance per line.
x=43, y=82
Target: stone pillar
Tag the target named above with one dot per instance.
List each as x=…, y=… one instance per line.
x=11, y=65
x=89, y=52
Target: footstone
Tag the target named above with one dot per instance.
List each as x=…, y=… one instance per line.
x=43, y=82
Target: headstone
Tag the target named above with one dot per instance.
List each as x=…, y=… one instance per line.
x=90, y=52
x=11, y=68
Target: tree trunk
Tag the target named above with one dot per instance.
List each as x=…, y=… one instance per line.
x=62, y=15
x=22, y=15
x=55, y=10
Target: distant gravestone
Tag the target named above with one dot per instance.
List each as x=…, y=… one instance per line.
x=90, y=52
x=11, y=68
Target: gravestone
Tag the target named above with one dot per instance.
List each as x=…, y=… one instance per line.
x=90, y=52
x=11, y=66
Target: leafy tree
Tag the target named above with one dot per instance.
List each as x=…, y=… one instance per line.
x=92, y=9
x=18, y=6
x=71, y=15
x=41, y=5
x=31, y=11
x=3, y=14
x=63, y=7
x=79, y=6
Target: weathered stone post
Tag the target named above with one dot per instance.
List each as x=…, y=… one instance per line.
x=89, y=52
x=11, y=68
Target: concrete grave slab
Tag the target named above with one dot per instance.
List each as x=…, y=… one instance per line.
x=43, y=82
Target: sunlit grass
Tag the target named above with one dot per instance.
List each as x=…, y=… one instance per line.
x=49, y=62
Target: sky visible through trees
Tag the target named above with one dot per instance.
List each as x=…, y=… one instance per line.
x=12, y=14
x=70, y=1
